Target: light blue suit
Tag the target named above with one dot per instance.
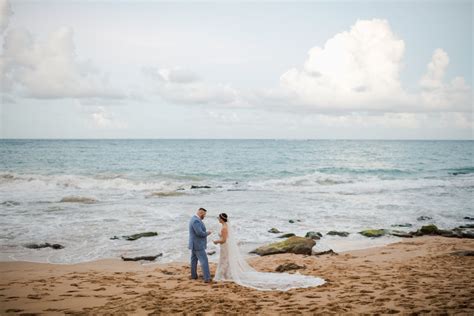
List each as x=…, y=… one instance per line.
x=198, y=244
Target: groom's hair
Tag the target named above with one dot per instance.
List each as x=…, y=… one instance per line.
x=202, y=209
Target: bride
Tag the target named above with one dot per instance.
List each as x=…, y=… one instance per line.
x=232, y=267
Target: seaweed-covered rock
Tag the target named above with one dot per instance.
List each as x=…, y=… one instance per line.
x=429, y=229
x=44, y=245
x=423, y=218
x=211, y=252
x=274, y=231
x=146, y=258
x=287, y=235
x=288, y=267
x=337, y=233
x=469, y=218
x=297, y=245
x=373, y=232
x=313, y=235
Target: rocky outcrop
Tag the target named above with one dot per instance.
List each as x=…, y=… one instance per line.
x=200, y=187
x=314, y=235
x=288, y=267
x=297, y=245
x=136, y=236
x=325, y=252
x=373, y=232
x=337, y=233
x=274, y=231
x=469, y=218
x=145, y=258
x=423, y=218
x=44, y=245
x=287, y=235
x=292, y=221
x=211, y=252
x=402, y=225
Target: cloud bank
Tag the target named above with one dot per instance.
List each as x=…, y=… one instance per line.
x=359, y=70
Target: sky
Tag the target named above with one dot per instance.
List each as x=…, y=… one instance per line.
x=229, y=69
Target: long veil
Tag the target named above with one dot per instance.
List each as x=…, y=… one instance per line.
x=240, y=272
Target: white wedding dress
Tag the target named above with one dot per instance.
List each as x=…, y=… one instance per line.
x=232, y=267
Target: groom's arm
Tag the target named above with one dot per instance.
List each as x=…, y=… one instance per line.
x=199, y=230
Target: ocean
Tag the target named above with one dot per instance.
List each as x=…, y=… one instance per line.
x=81, y=193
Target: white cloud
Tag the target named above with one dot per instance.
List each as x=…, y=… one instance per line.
x=50, y=69
x=183, y=86
x=355, y=70
x=359, y=70
x=5, y=13
x=438, y=95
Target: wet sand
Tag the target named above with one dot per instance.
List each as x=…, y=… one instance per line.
x=418, y=275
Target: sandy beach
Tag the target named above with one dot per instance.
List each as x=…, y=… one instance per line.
x=418, y=275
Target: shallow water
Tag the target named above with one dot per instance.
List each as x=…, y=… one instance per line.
x=130, y=186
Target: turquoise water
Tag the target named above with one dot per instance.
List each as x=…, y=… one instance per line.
x=141, y=185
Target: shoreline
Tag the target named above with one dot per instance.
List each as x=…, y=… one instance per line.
x=413, y=275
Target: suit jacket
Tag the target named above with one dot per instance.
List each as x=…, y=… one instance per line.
x=197, y=234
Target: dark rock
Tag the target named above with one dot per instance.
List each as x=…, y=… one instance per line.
x=212, y=252
x=423, y=218
x=44, y=245
x=297, y=245
x=464, y=253
x=429, y=229
x=337, y=233
x=200, y=187
x=402, y=225
x=449, y=233
x=287, y=235
x=147, y=258
x=326, y=252
x=136, y=236
x=467, y=226
x=469, y=218
x=313, y=235
x=288, y=267
x=274, y=231
x=292, y=221
x=373, y=232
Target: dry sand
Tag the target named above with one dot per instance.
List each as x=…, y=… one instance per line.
x=418, y=275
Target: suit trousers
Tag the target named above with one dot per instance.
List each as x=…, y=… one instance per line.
x=201, y=256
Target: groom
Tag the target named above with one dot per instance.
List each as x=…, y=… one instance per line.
x=197, y=245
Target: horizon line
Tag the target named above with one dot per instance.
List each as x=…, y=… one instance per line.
x=301, y=139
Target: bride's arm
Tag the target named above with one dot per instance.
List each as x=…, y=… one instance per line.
x=223, y=236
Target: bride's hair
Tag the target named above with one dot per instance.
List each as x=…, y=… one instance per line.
x=223, y=216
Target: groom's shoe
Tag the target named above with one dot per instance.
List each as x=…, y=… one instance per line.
x=207, y=281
